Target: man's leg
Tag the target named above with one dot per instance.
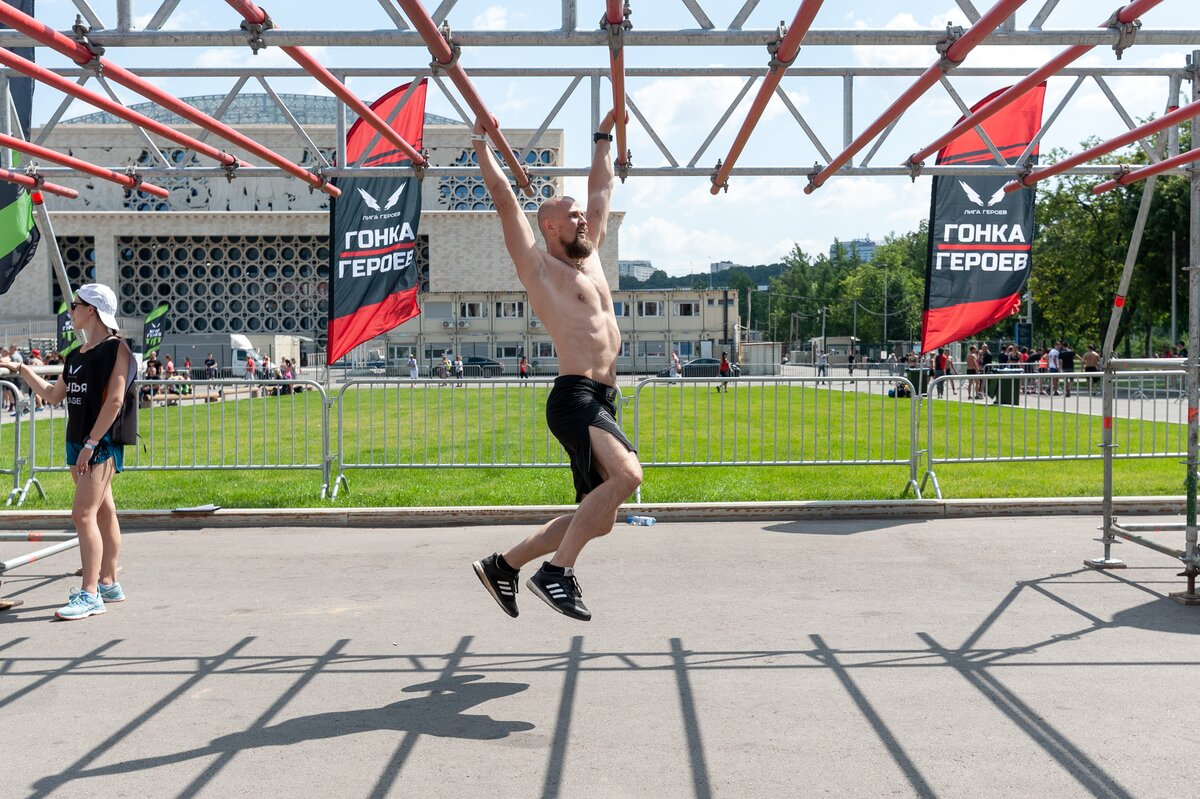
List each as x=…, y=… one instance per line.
x=597, y=512
x=547, y=539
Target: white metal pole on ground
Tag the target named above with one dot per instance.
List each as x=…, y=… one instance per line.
x=41, y=554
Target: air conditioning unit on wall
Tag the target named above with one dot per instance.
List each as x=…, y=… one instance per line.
x=464, y=323
x=534, y=323
x=447, y=323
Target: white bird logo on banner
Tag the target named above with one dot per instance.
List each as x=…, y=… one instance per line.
x=373, y=204
x=974, y=197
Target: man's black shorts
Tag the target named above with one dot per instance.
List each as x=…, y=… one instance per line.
x=576, y=404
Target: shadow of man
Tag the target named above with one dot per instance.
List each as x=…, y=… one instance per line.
x=441, y=713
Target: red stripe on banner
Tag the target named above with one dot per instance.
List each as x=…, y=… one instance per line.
x=347, y=332
x=986, y=247
x=390, y=248
x=940, y=326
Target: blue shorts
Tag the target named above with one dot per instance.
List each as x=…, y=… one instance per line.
x=106, y=450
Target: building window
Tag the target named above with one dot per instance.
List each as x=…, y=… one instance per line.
x=650, y=308
x=624, y=349
x=507, y=350
x=687, y=309
x=510, y=310
x=437, y=310
x=686, y=349
x=544, y=349
x=621, y=309
x=652, y=349
x=472, y=310
x=435, y=350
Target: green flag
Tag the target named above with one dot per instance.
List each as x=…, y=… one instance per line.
x=18, y=237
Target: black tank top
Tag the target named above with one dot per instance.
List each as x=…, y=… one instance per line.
x=87, y=374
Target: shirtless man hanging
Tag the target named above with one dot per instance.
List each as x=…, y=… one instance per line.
x=569, y=294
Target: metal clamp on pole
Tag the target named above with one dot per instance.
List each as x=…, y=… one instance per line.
x=776, y=63
x=716, y=172
x=455, y=52
x=953, y=34
x=132, y=172
x=621, y=167
x=255, y=30
x=319, y=172
x=1126, y=32
x=82, y=36
x=914, y=168
x=616, y=30
x=419, y=168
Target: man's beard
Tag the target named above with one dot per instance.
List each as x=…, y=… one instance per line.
x=580, y=246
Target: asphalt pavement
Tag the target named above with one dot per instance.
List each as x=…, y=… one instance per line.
x=822, y=657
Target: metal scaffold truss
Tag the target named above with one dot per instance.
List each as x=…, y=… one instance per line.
x=829, y=138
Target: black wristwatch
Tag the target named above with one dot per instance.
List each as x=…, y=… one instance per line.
x=601, y=137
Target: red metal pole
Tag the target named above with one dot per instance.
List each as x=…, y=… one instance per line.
x=1165, y=121
x=43, y=75
x=128, y=181
x=780, y=60
x=1125, y=15
x=1148, y=171
x=82, y=56
x=954, y=55
x=33, y=184
x=447, y=61
x=257, y=16
x=614, y=16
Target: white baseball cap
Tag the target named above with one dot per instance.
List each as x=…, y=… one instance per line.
x=103, y=299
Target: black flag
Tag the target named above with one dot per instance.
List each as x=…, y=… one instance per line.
x=979, y=236
x=67, y=340
x=373, y=232
x=155, y=326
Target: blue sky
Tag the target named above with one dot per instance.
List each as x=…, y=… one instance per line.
x=675, y=222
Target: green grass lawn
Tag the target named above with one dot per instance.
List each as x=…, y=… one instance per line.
x=760, y=429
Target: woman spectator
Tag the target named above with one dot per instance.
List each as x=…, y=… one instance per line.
x=93, y=385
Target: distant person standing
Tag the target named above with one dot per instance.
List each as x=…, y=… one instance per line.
x=413, y=369
x=210, y=367
x=851, y=359
x=458, y=370
x=1091, y=363
x=1054, y=366
x=250, y=367
x=1066, y=360
x=676, y=366
x=523, y=368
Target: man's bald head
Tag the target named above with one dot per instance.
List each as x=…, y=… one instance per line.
x=553, y=209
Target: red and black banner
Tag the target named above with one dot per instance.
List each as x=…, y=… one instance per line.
x=980, y=237
x=373, y=231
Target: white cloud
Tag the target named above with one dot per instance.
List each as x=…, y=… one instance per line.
x=855, y=194
x=225, y=57
x=180, y=19
x=493, y=18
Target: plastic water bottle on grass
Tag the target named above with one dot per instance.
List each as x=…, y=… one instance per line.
x=644, y=521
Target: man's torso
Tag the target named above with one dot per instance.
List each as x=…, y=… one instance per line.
x=576, y=307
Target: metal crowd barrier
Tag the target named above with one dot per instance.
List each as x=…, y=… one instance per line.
x=443, y=423
x=1041, y=416
x=276, y=424
x=12, y=397
x=776, y=421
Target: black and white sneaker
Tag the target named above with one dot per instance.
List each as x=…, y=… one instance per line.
x=501, y=584
x=560, y=591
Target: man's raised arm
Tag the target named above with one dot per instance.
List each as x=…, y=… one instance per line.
x=518, y=236
x=600, y=181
